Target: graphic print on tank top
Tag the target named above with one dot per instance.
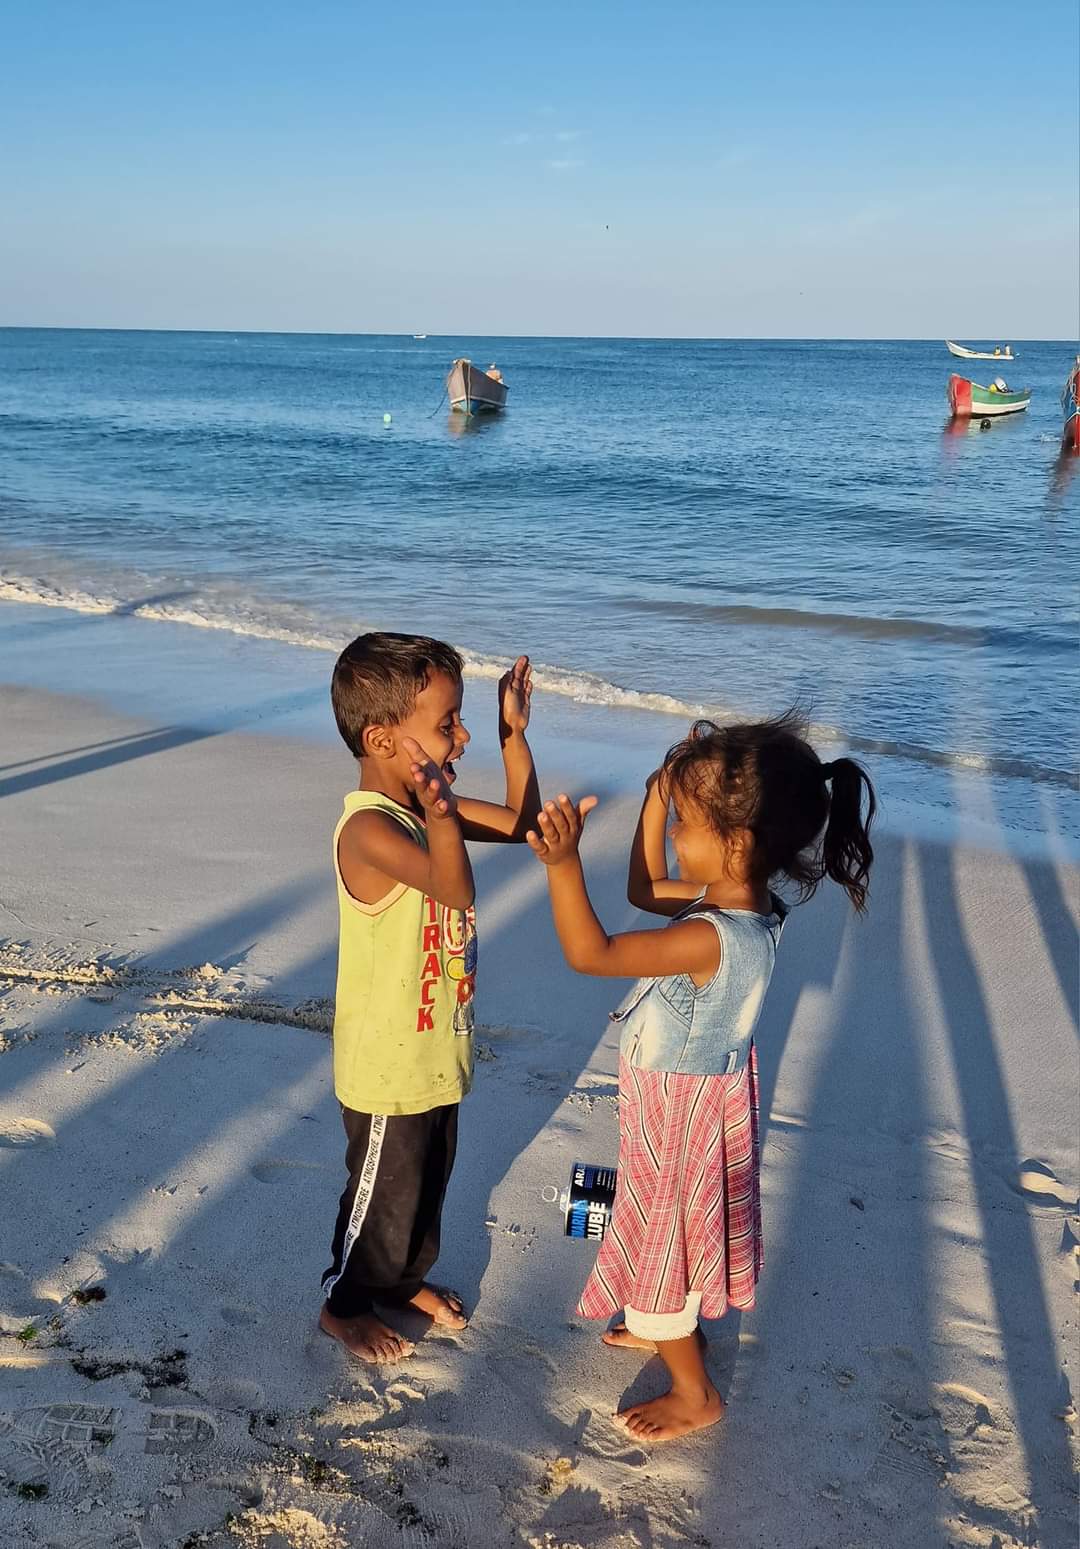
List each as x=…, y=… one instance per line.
x=449, y=946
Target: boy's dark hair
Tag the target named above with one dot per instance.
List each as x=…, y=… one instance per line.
x=767, y=778
x=377, y=678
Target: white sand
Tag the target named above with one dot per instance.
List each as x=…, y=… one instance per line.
x=168, y=1134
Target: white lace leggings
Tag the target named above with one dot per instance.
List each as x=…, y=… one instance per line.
x=665, y=1325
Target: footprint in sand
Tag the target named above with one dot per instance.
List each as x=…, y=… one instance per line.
x=37, y=1470
x=453, y=1525
x=966, y=1413
x=1041, y=1185
x=98, y=1427
x=279, y=1169
x=397, y=1401
x=525, y=1369
x=127, y=1537
x=54, y=1452
x=916, y=1451
x=238, y=1316
x=17, y=1133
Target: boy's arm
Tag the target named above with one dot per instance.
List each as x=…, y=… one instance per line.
x=508, y=824
x=648, y=885
x=375, y=853
x=692, y=948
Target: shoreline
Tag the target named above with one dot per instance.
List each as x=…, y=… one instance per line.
x=208, y=679
x=168, y=1125
x=292, y=628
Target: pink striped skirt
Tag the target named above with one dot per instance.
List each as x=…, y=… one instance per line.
x=687, y=1212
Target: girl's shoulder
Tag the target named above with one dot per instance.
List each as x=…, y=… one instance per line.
x=748, y=939
x=750, y=920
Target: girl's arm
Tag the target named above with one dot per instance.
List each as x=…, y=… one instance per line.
x=648, y=885
x=508, y=824
x=692, y=948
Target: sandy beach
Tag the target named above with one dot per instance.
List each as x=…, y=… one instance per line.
x=171, y=1157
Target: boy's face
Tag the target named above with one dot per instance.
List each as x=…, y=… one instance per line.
x=435, y=723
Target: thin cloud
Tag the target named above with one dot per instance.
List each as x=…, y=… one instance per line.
x=542, y=137
x=565, y=163
x=873, y=217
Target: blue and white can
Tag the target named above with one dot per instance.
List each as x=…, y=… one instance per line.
x=586, y=1204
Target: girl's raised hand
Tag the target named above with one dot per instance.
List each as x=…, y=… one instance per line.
x=515, y=698
x=429, y=782
x=560, y=824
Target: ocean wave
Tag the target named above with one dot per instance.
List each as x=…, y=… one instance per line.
x=878, y=627
x=185, y=608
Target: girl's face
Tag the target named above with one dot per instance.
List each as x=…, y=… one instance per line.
x=699, y=849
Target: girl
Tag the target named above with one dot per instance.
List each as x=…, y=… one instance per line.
x=751, y=803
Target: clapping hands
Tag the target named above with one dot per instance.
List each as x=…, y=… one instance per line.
x=560, y=825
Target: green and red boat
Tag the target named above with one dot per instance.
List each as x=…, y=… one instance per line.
x=968, y=400
x=1070, y=408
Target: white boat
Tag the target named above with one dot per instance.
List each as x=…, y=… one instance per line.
x=964, y=354
x=419, y=335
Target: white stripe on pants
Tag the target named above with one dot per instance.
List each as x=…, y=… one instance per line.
x=362, y=1198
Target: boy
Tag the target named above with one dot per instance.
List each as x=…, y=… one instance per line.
x=406, y=967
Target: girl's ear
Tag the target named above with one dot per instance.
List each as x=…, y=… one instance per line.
x=378, y=742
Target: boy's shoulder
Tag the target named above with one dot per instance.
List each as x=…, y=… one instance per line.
x=378, y=851
x=359, y=800
x=370, y=813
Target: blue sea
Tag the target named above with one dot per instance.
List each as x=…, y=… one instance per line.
x=670, y=526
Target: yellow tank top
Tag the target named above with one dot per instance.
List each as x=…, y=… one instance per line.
x=403, y=1017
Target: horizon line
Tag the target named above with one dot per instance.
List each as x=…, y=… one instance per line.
x=336, y=333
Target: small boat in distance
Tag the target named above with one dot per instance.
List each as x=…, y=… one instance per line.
x=473, y=391
x=994, y=354
x=968, y=400
x=419, y=335
x=1070, y=407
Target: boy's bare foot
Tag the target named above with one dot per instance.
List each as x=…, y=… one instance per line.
x=673, y=1414
x=442, y=1306
x=367, y=1337
x=621, y=1338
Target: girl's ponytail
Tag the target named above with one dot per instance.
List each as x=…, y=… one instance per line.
x=846, y=851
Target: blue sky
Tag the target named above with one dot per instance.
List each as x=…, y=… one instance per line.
x=838, y=168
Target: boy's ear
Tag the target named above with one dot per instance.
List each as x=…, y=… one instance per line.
x=377, y=742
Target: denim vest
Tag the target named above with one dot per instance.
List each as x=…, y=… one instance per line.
x=705, y=1030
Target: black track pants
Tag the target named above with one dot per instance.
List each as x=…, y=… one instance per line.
x=387, y=1233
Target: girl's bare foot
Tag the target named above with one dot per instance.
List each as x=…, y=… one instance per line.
x=673, y=1414
x=367, y=1337
x=621, y=1338
x=442, y=1306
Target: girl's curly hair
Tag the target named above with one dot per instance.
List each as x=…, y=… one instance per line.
x=806, y=817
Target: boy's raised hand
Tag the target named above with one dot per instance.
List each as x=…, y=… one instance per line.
x=515, y=698
x=560, y=824
x=429, y=782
